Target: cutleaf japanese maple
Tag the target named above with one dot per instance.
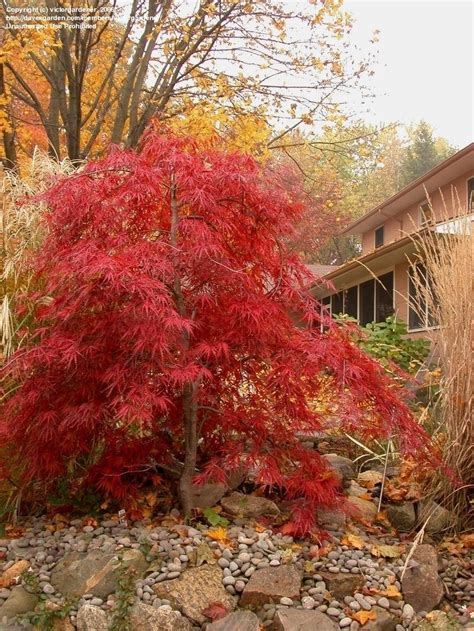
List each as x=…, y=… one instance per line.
x=174, y=324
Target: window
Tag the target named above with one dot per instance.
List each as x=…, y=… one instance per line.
x=426, y=215
x=378, y=236
x=367, y=302
x=470, y=194
x=337, y=303
x=371, y=301
x=384, y=297
x=350, y=301
x=419, y=313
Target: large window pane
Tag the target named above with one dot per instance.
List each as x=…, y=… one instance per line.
x=367, y=302
x=337, y=303
x=351, y=302
x=384, y=297
x=417, y=302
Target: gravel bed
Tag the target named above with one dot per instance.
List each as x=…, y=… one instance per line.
x=170, y=554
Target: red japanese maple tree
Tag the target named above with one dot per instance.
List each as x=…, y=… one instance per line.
x=166, y=331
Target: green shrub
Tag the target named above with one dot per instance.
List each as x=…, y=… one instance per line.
x=387, y=342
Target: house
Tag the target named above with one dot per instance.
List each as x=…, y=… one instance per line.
x=379, y=283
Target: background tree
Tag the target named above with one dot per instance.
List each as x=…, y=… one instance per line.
x=354, y=168
x=423, y=152
x=159, y=277
x=161, y=58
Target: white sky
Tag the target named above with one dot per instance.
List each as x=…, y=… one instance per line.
x=425, y=68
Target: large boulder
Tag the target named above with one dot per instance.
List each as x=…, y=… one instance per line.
x=146, y=618
x=383, y=622
x=95, y=572
x=361, y=509
x=270, y=584
x=330, y=519
x=19, y=601
x=342, y=585
x=436, y=517
x=421, y=586
x=91, y=618
x=207, y=495
x=369, y=478
x=236, y=621
x=195, y=590
x=343, y=468
x=303, y=620
x=401, y=516
x=248, y=506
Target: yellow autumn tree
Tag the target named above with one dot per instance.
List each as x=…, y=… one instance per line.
x=260, y=63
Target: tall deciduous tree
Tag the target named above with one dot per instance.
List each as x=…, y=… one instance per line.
x=166, y=330
x=160, y=58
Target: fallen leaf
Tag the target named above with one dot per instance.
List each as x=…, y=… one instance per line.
x=389, y=552
x=215, y=611
x=363, y=617
x=219, y=534
x=353, y=541
x=260, y=527
x=467, y=540
x=11, y=576
x=392, y=592
x=308, y=567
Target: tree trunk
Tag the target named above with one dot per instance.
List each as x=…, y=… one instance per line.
x=190, y=447
x=190, y=390
x=10, y=161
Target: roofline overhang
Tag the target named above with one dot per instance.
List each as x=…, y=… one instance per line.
x=351, y=228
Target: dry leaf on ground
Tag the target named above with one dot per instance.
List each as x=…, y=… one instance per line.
x=353, y=541
x=363, y=617
x=219, y=534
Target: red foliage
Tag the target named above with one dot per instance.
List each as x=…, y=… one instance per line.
x=131, y=315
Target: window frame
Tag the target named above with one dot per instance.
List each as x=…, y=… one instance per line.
x=383, y=272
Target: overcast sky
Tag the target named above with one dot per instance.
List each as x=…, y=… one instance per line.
x=425, y=68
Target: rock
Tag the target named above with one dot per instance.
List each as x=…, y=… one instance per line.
x=302, y=620
x=343, y=467
x=439, y=518
x=270, y=584
x=91, y=618
x=401, y=516
x=342, y=585
x=237, y=621
x=356, y=489
x=383, y=622
x=58, y=623
x=94, y=572
x=195, y=590
x=369, y=478
x=362, y=509
x=146, y=618
x=421, y=586
x=438, y=621
x=332, y=520
x=207, y=495
x=248, y=506
x=20, y=601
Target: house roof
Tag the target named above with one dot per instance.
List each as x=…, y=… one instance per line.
x=321, y=270
x=457, y=164
x=350, y=273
